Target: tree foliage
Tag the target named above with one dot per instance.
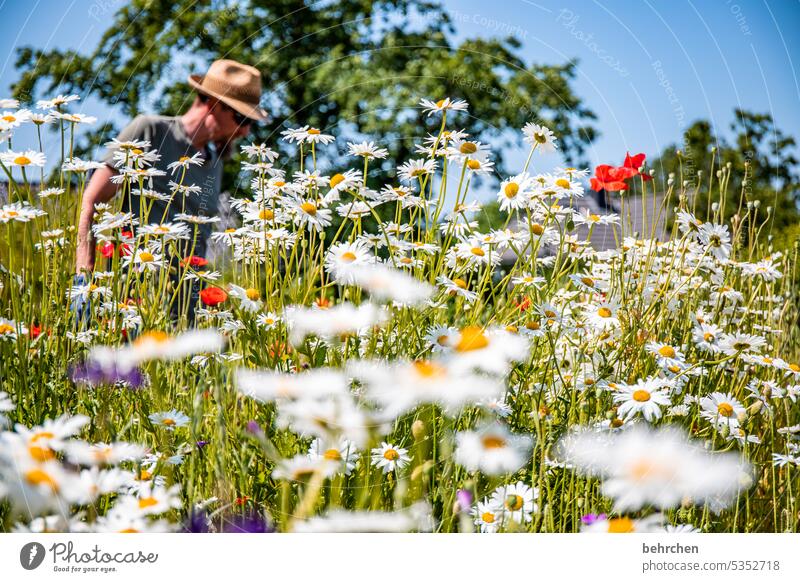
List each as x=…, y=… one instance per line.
x=352, y=68
x=757, y=147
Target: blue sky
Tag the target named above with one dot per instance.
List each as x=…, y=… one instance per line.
x=647, y=68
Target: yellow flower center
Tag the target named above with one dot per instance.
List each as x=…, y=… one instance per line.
x=493, y=442
x=146, y=502
x=641, y=396
x=168, y=422
x=794, y=367
x=152, y=336
x=533, y=325
x=266, y=214
x=41, y=454
x=230, y=230
x=348, y=257
x=540, y=138
x=537, y=229
x=391, y=455
x=41, y=477
x=309, y=208
x=477, y=251
x=514, y=502
x=332, y=455
x=468, y=147
x=604, y=312
x=472, y=338
x=440, y=103
x=563, y=183
x=252, y=294
x=428, y=369
x=336, y=180
x=22, y=160
x=511, y=189
x=473, y=164
x=487, y=517
x=146, y=257
x=313, y=131
x=9, y=118
x=621, y=525
x=460, y=283
x=667, y=351
x=5, y=329
x=183, y=159
x=725, y=410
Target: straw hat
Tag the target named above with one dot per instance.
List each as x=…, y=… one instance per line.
x=235, y=84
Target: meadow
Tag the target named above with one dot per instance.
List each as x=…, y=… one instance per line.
x=360, y=356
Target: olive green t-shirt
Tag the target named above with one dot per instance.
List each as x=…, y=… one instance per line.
x=168, y=136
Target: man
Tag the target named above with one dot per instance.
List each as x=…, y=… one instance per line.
x=227, y=102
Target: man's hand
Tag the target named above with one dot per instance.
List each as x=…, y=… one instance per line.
x=99, y=189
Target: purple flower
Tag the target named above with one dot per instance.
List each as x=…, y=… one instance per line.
x=201, y=444
x=590, y=518
x=253, y=427
x=464, y=499
x=94, y=374
x=250, y=522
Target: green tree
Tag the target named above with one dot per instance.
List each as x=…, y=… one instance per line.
x=760, y=149
x=352, y=68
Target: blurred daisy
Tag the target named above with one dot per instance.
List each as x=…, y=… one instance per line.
x=23, y=159
x=492, y=449
x=170, y=420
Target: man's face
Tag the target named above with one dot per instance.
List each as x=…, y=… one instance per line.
x=223, y=123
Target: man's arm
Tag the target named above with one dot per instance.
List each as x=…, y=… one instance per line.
x=100, y=189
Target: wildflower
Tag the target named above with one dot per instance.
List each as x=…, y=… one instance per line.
x=645, y=397
x=717, y=239
x=617, y=525
x=492, y=449
x=13, y=119
x=366, y=150
x=722, y=409
x=610, y=178
x=445, y=104
x=260, y=151
x=514, y=193
x=249, y=299
x=306, y=134
x=736, y=343
x=23, y=159
x=516, y=500
x=641, y=466
x=307, y=213
x=10, y=330
x=170, y=420
x=488, y=515
x=636, y=162
x=334, y=322
x=185, y=161
x=416, y=169
x=57, y=102
x=213, y=296
x=540, y=136
x=6, y=405
x=389, y=457
x=343, y=455
x=157, y=345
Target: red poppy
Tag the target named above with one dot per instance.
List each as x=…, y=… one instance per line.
x=106, y=249
x=611, y=178
x=213, y=296
x=124, y=249
x=36, y=330
x=635, y=163
x=194, y=261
